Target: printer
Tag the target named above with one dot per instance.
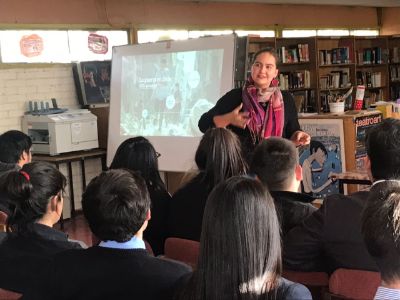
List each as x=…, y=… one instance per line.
x=53, y=134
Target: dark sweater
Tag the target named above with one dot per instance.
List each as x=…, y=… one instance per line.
x=187, y=209
x=25, y=254
x=105, y=273
x=156, y=231
x=233, y=99
x=292, y=208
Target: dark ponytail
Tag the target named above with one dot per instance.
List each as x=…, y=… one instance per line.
x=30, y=190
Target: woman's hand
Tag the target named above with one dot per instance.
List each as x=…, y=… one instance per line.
x=300, y=138
x=235, y=118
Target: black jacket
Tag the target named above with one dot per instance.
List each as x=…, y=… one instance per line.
x=330, y=238
x=233, y=99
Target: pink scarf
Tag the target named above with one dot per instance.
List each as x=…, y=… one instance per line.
x=263, y=124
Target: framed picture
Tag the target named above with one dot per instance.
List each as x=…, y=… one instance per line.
x=92, y=81
x=323, y=157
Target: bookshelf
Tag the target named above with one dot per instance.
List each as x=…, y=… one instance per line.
x=317, y=69
x=336, y=69
x=372, y=67
x=394, y=67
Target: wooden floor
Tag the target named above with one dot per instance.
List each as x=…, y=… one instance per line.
x=77, y=229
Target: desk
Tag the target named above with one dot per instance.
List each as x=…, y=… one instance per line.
x=352, y=177
x=69, y=158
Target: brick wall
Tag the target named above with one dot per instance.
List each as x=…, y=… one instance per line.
x=19, y=84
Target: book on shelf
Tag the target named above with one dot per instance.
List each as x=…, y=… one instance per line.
x=369, y=79
x=305, y=101
x=335, y=79
x=293, y=54
x=394, y=72
x=294, y=80
x=395, y=55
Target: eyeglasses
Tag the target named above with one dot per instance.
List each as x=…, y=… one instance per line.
x=158, y=154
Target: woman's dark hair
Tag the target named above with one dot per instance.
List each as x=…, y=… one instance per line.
x=138, y=154
x=269, y=50
x=219, y=156
x=240, y=247
x=30, y=190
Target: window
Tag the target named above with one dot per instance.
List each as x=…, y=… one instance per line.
x=90, y=45
x=58, y=46
x=148, y=36
x=333, y=32
x=366, y=32
x=34, y=46
x=298, y=33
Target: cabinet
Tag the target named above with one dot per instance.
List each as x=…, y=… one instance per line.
x=318, y=69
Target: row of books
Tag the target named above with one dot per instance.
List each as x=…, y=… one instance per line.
x=395, y=73
x=305, y=101
x=335, y=79
x=368, y=56
x=394, y=92
x=293, y=54
x=369, y=79
x=335, y=56
x=395, y=55
x=294, y=80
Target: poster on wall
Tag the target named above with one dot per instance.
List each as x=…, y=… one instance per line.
x=323, y=158
x=363, y=123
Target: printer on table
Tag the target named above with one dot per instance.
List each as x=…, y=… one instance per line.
x=53, y=134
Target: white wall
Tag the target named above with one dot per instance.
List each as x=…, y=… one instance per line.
x=19, y=84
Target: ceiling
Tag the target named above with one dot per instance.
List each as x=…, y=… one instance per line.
x=373, y=3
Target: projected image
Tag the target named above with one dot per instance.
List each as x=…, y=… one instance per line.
x=165, y=94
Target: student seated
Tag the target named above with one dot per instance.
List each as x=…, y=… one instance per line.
x=276, y=164
x=35, y=192
x=218, y=157
x=116, y=205
x=138, y=154
x=15, y=151
x=240, y=249
x=381, y=231
x=331, y=237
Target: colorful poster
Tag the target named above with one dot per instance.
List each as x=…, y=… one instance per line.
x=362, y=125
x=323, y=158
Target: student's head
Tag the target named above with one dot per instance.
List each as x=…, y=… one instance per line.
x=15, y=147
x=240, y=248
x=381, y=228
x=276, y=164
x=138, y=154
x=318, y=151
x=219, y=155
x=35, y=192
x=117, y=205
x=263, y=68
x=383, y=148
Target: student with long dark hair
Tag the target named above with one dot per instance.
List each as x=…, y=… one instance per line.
x=218, y=157
x=240, y=247
x=138, y=154
x=36, y=197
